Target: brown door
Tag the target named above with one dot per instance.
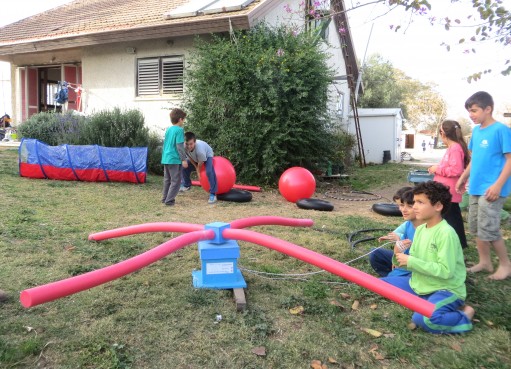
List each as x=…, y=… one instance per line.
x=409, y=141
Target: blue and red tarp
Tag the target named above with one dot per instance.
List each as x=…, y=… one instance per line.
x=91, y=163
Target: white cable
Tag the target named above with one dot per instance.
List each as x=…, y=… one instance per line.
x=293, y=275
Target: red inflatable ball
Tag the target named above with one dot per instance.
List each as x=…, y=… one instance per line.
x=297, y=183
x=225, y=175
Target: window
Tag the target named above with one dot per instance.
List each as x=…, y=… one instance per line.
x=51, y=91
x=160, y=76
x=340, y=105
x=317, y=17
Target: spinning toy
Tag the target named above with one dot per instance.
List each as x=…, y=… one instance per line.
x=219, y=252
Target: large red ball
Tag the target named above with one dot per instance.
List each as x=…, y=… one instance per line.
x=225, y=175
x=297, y=183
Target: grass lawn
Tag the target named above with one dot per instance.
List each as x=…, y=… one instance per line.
x=154, y=318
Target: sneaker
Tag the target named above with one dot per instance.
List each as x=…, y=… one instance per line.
x=183, y=189
x=3, y=296
x=212, y=199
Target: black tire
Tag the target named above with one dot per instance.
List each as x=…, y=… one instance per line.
x=315, y=204
x=388, y=209
x=235, y=195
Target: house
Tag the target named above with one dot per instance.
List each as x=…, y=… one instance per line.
x=133, y=53
x=414, y=140
x=381, y=134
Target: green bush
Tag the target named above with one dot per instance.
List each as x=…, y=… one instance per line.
x=154, y=148
x=54, y=128
x=117, y=128
x=259, y=98
x=343, y=144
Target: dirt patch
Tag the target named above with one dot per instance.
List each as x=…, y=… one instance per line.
x=345, y=200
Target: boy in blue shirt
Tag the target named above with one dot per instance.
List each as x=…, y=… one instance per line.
x=199, y=153
x=489, y=183
x=383, y=260
x=173, y=156
x=436, y=263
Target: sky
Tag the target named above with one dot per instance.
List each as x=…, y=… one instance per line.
x=415, y=49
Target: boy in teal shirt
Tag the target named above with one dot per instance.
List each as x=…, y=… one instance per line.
x=173, y=156
x=489, y=175
x=437, y=264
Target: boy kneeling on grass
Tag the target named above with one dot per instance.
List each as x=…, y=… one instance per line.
x=437, y=265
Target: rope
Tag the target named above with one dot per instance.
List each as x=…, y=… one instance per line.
x=299, y=276
x=354, y=195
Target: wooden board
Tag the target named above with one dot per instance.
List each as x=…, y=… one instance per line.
x=239, y=297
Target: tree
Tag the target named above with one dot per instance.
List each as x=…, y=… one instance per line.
x=488, y=21
x=426, y=109
x=466, y=127
x=260, y=98
x=380, y=87
x=495, y=26
x=388, y=87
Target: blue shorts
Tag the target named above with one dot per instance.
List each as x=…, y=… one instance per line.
x=447, y=317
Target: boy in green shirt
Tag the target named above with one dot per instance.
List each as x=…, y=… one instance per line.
x=437, y=265
x=173, y=156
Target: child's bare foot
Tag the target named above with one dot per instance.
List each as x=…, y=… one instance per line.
x=469, y=311
x=501, y=273
x=480, y=267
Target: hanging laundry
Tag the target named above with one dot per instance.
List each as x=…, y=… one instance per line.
x=62, y=94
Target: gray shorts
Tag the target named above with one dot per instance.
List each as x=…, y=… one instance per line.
x=484, y=217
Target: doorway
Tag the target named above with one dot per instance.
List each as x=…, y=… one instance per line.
x=409, y=141
x=38, y=86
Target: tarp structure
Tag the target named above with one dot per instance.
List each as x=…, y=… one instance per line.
x=91, y=163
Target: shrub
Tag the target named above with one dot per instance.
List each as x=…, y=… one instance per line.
x=117, y=128
x=260, y=99
x=54, y=128
x=343, y=144
x=154, y=145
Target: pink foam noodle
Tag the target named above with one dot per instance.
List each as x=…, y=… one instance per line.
x=247, y=188
x=144, y=228
x=236, y=186
x=55, y=290
x=335, y=267
x=270, y=220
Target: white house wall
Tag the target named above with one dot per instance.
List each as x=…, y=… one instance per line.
x=109, y=78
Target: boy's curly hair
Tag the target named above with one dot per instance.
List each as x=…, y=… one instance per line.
x=435, y=192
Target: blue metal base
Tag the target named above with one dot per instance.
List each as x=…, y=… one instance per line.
x=237, y=281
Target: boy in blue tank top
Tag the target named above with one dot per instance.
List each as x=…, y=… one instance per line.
x=382, y=260
x=489, y=183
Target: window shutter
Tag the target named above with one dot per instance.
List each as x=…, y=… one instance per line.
x=148, y=77
x=172, y=77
